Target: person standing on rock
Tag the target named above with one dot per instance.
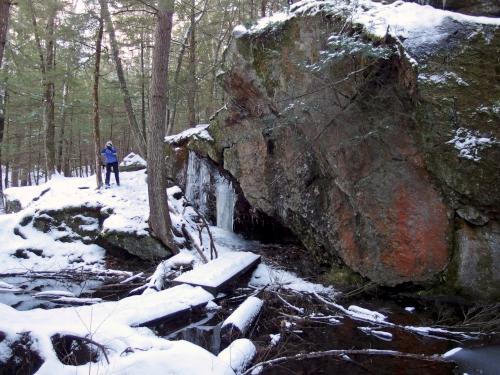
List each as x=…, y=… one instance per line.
x=111, y=161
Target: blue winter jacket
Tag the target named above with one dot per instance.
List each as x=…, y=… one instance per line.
x=110, y=154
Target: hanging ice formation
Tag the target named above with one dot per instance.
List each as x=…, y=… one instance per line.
x=226, y=200
x=198, y=188
x=197, y=182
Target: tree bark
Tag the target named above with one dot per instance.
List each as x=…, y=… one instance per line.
x=4, y=25
x=64, y=105
x=95, y=94
x=263, y=6
x=143, y=87
x=159, y=217
x=140, y=142
x=46, y=67
x=3, y=115
x=171, y=122
x=49, y=96
x=191, y=97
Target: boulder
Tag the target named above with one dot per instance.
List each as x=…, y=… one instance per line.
x=365, y=146
x=133, y=162
x=142, y=246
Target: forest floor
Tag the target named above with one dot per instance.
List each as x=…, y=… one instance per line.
x=70, y=307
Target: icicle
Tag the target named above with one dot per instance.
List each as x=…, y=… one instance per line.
x=226, y=200
x=197, y=182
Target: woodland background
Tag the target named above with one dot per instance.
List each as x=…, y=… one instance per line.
x=49, y=66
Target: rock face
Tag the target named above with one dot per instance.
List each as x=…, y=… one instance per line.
x=365, y=155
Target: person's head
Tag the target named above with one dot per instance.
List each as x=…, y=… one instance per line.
x=109, y=144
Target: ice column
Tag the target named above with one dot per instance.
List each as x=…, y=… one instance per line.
x=197, y=182
x=226, y=200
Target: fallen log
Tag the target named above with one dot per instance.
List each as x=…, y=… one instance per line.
x=241, y=320
x=239, y=355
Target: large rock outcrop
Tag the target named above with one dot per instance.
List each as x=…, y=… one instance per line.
x=374, y=160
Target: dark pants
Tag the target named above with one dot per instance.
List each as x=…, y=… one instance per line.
x=115, y=171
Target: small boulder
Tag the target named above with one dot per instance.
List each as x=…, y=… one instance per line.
x=132, y=162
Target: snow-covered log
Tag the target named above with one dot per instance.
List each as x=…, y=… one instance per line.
x=240, y=321
x=239, y=355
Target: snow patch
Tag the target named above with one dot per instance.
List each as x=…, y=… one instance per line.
x=470, y=142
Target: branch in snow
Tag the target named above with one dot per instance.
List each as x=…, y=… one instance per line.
x=342, y=354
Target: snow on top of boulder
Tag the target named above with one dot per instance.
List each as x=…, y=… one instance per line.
x=417, y=24
x=239, y=31
x=198, y=132
x=133, y=159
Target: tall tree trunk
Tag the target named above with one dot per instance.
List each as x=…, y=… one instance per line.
x=263, y=6
x=4, y=25
x=95, y=94
x=64, y=105
x=159, y=217
x=191, y=97
x=175, y=91
x=134, y=126
x=68, y=147
x=46, y=68
x=48, y=98
x=3, y=132
x=143, y=87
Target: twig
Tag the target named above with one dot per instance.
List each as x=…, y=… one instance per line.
x=195, y=244
x=90, y=341
x=300, y=310
x=341, y=353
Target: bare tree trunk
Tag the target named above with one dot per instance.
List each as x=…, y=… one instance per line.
x=67, y=147
x=171, y=122
x=191, y=95
x=134, y=126
x=49, y=97
x=3, y=115
x=60, y=144
x=4, y=25
x=46, y=67
x=263, y=6
x=96, y=132
x=159, y=217
x=143, y=87
x=30, y=152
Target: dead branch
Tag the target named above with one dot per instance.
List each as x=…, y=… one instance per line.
x=194, y=242
x=213, y=250
x=90, y=341
x=342, y=353
x=437, y=333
